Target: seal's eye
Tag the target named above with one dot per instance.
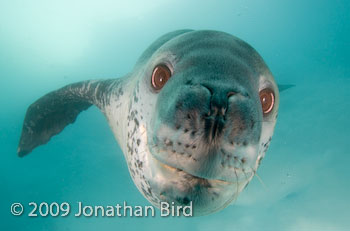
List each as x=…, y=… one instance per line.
x=160, y=76
x=267, y=99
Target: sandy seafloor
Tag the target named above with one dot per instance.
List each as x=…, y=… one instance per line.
x=45, y=45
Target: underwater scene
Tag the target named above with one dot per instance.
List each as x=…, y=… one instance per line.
x=136, y=145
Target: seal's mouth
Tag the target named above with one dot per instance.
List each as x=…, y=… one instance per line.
x=212, y=181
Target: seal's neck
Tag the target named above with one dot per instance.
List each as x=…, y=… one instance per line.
x=117, y=108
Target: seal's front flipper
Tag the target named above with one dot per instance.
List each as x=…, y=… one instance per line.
x=50, y=114
x=283, y=87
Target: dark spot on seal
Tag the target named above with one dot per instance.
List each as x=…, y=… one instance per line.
x=184, y=201
x=120, y=91
x=252, y=124
x=178, y=105
x=259, y=161
x=189, y=82
x=145, y=192
x=168, y=142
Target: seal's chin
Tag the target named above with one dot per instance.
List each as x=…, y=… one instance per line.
x=174, y=185
x=185, y=168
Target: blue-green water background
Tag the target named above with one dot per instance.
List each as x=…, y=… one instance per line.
x=45, y=45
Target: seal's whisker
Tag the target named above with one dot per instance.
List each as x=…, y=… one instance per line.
x=262, y=182
x=259, y=178
x=196, y=139
x=237, y=185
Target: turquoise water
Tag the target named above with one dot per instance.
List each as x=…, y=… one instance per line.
x=45, y=45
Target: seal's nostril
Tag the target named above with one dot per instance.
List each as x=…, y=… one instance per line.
x=211, y=91
x=218, y=104
x=219, y=99
x=231, y=93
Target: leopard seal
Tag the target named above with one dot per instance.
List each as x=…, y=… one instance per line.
x=194, y=118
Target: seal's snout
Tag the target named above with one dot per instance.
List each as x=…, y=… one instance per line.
x=215, y=121
x=206, y=130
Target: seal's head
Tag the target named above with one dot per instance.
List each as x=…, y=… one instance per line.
x=208, y=106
